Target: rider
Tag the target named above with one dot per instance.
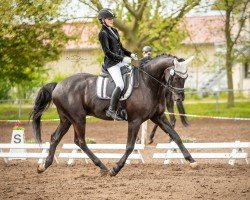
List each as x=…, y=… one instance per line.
x=116, y=56
x=146, y=52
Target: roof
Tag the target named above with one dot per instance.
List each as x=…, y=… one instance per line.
x=85, y=32
x=201, y=30
x=204, y=29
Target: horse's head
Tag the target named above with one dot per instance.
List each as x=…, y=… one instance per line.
x=175, y=78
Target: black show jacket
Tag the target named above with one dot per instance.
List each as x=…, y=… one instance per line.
x=144, y=61
x=112, y=47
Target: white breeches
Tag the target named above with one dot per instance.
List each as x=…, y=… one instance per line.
x=115, y=72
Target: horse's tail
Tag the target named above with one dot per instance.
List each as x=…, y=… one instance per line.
x=181, y=110
x=42, y=102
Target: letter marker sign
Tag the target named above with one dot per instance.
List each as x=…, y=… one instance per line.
x=17, y=138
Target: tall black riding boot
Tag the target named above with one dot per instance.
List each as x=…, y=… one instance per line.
x=111, y=112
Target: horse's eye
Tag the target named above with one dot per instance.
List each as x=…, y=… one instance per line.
x=176, y=78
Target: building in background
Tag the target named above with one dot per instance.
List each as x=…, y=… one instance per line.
x=80, y=55
x=205, y=39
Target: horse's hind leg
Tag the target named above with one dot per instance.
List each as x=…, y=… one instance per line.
x=79, y=127
x=55, y=139
x=152, y=134
x=133, y=129
x=161, y=120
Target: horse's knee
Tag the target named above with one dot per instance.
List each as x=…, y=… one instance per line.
x=177, y=139
x=81, y=144
x=174, y=136
x=129, y=149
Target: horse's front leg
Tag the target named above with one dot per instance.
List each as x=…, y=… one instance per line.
x=161, y=120
x=170, y=108
x=133, y=129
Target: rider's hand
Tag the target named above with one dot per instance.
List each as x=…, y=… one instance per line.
x=126, y=60
x=134, y=56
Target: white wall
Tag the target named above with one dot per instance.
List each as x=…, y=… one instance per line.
x=72, y=62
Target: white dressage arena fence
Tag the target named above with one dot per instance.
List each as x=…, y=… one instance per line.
x=172, y=151
x=31, y=151
x=77, y=153
x=230, y=151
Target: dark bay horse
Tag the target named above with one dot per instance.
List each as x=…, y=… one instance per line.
x=75, y=98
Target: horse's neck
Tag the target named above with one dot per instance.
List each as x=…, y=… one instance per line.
x=154, y=76
x=157, y=67
x=152, y=84
x=154, y=71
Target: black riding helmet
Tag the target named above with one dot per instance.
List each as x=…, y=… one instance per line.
x=105, y=13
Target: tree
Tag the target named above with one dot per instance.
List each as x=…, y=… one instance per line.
x=147, y=22
x=235, y=18
x=30, y=37
x=4, y=89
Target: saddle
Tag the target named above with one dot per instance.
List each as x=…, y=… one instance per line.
x=105, y=84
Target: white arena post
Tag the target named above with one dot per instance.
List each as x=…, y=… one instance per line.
x=144, y=128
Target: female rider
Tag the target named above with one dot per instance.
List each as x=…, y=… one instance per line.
x=116, y=56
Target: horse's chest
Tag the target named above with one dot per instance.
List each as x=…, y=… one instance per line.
x=160, y=105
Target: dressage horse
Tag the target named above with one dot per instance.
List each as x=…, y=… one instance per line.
x=75, y=98
x=171, y=98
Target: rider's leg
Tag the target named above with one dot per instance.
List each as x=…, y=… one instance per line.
x=115, y=73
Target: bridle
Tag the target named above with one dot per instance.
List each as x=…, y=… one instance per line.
x=169, y=78
x=170, y=75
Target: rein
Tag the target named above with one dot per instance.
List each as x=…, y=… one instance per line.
x=170, y=87
x=153, y=77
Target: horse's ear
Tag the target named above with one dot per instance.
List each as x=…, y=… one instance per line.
x=180, y=67
x=176, y=64
x=186, y=62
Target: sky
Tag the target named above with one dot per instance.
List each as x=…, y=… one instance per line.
x=76, y=9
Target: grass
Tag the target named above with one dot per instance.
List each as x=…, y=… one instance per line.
x=11, y=112
x=188, y=140
x=241, y=109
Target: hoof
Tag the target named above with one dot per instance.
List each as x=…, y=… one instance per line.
x=112, y=172
x=150, y=141
x=194, y=165
x=41, y=168
x=104, y=172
